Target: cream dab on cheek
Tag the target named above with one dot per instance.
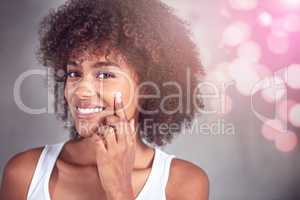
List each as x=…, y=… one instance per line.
x=118, y=97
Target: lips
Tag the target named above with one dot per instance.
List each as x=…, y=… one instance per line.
x=88, y=112
x=86, y=104
x=87, y=109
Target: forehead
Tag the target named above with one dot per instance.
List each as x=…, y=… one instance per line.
x=98, y=58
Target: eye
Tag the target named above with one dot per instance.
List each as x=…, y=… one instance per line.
x=72, y=74
x=105, y=75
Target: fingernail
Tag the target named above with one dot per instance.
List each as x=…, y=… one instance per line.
x=118, y=96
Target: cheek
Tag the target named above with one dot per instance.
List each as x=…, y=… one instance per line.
x=67, y=98
x=129, y=98
x=68, y=90
x=128, y=95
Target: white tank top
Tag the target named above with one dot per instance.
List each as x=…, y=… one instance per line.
x=154, y=188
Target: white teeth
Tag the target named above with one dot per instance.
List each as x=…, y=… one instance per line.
x=90, y=110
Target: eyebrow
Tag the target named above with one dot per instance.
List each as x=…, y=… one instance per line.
x=96, y=65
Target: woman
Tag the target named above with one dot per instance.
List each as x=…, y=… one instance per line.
x=106, y=55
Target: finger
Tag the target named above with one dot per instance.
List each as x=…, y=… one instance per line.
x=109, y=137
x=133, y=127
x=126, y=132
x=120, y=134
x=131, y=136
x=111, y=119
x=123, y=131
x=95, y=138
x=101, y=146
x=99, y=130
x=119, y=107
x=121, y=137
x=114, y=121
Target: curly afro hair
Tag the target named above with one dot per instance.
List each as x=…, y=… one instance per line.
x=152, y=39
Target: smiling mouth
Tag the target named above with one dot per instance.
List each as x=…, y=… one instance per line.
x=89, y=110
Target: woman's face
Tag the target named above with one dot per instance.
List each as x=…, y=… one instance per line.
x=91, y=84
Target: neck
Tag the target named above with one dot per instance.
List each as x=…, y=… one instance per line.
x=85, y=147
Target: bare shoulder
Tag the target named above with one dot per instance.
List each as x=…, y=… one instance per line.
x=187, y=181
x=18, y=173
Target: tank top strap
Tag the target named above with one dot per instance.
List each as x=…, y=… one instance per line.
x=44, y=168
x=151, y=178
x=164, y=163
x=156, y=183
x=167, y=167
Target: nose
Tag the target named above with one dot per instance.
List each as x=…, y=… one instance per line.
x=85, y=89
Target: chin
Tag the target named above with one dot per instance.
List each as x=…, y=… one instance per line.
x=86, y=128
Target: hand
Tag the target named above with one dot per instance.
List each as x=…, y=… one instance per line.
x=115, y=153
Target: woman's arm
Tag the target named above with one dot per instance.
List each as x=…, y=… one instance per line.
x=187, y=182
x=17, y=175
